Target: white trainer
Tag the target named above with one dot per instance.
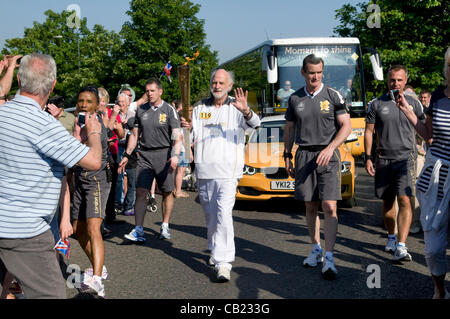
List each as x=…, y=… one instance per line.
x=329, y=271
x=315, y=257
x=401, y=254
x=93, y=286
x=223, y=274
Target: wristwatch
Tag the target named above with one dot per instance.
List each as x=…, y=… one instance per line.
x=287, y=155
x=367, y=157
x=125, y=154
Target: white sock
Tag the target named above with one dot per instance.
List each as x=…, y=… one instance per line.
x=317, y=247
x=401, y=245
x=165, y=225
x=152, y=195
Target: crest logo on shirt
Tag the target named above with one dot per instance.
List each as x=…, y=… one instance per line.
x=162, y=118
x=325, y=106
x=205, y=115
x=385, y=111
x=301, y=106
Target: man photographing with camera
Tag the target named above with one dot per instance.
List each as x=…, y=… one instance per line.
x=394, y=164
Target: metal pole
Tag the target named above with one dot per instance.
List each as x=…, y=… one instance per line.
x=78, y=46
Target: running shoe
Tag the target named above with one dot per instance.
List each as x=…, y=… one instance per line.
x=329, y=271
x=211, y=262
x=136, y=236
x=164, y=233
x=93, y=286
x=90, y=272
x=129, y=212
x=391, y=245
x=401, y=254
x=316, y=256
x=223, y=274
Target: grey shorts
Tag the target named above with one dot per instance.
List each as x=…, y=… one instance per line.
x=154, y=164
x=395, y=177
x=90, y=196
x=314, y=183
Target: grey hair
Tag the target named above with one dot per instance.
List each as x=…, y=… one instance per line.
x=37, y=72
x=230, y=76
x=446, y=62
x=125, y=95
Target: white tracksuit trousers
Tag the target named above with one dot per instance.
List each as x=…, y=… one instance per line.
x=217, y=198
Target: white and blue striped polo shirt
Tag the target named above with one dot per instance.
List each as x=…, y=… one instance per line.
x=34, y=148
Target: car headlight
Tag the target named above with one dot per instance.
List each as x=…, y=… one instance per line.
x=345, y=167
x=249, y=170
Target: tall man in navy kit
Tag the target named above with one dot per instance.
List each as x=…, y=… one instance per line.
x=395, y=159
x=156, y=127
x=319, y=116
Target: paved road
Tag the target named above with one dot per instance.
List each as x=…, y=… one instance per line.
x=271, y=242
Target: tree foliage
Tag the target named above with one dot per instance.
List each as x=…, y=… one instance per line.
x=159, y=31
x=414, y=33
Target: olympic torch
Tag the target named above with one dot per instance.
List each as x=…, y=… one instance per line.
x=184, y=74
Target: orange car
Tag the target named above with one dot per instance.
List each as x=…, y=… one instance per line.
x=265, y=176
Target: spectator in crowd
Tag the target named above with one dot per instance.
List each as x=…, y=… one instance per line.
x=424, y=98
x=317, y=118
x=133, y=105
x=90, y=196
x=183, y=160
x=157, y=130
x=27, y=248
x=421, y=151
x=115, y=132
x=284, y=93
x=395, y=161
x=130, y=174
x=219, y=162
x=433, y=186
x=123, y=100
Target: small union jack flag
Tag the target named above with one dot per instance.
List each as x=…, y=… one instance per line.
x=63, y=246
x=167, y=69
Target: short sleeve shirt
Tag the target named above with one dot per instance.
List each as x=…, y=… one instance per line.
x=315, y=115
x=156, y=125
x=395, y=134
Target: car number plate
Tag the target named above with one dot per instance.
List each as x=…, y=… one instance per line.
x=283, y=185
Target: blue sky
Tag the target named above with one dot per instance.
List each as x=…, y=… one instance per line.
x=232, y=26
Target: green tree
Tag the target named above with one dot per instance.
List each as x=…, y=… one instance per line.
x=55, y=37
x=162, y=31
x=413, y=33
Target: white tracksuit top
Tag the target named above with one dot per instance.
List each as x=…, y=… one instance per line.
x=218, y=135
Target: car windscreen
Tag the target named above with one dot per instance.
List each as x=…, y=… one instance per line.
x=269, y=132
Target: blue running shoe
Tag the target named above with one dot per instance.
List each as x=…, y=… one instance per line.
x=136, y=236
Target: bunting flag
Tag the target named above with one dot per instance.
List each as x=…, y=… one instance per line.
x=167, y=69
x=195, y=56
x=63, y=246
